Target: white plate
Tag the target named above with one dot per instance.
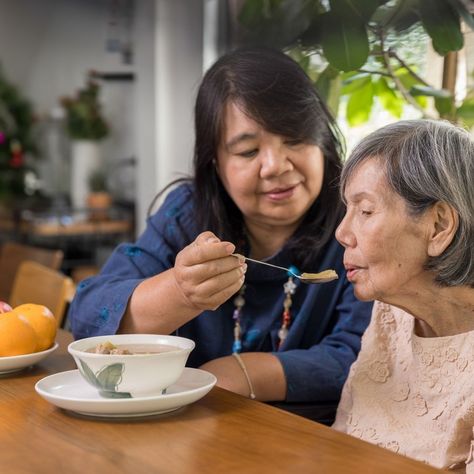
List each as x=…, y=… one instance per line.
x=70, y=391
x=15, y=363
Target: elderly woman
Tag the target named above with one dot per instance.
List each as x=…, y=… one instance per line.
x=408, y=235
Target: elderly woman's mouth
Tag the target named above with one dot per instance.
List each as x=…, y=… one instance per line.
x=352, y=271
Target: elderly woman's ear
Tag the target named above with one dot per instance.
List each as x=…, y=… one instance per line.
x=444, y=224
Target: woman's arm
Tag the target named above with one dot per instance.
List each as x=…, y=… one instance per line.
x=168, y=276
x=263, y=369
x=312, y=374
x=204, y=276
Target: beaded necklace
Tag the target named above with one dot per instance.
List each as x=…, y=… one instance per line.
x=239, y=301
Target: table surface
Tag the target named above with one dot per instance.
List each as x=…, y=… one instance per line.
x=222, y=432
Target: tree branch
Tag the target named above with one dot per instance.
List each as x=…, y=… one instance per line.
x=381, y=73
x=406, y=95
x=393, y=54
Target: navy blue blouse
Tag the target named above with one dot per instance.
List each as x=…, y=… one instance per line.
x=327, y=320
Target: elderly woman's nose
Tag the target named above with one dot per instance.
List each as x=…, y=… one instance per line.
x=343, y=234
x=274, y=162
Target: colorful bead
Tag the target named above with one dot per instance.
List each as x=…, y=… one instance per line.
x=237, y=346
x=289, y=289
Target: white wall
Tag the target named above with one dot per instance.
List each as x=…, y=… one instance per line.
x=47, y=47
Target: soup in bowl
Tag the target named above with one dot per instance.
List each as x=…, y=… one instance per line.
x=131, y=365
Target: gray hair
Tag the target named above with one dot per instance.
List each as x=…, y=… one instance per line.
x=427, y=161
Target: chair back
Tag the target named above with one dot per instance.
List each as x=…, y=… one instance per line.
x=38, y=284
x=12, y=254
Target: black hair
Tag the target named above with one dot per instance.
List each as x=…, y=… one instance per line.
x=274, y=91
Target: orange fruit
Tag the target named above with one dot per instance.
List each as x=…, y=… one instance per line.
x=42, y=321
x=17, y=337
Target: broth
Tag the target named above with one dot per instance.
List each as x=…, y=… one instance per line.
x=131, y=349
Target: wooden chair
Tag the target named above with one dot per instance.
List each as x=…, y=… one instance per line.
x=12, y=254
x=35, y=283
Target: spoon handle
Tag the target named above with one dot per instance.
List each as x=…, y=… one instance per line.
x=265, y=263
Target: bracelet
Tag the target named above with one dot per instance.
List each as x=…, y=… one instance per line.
x=244, y=370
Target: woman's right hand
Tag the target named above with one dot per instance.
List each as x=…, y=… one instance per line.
x=206, y=273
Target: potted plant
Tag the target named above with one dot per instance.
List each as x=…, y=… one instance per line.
x=18, y=149
x=86, y=126
x=99, y=199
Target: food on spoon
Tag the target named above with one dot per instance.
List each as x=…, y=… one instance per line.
x=324, y=276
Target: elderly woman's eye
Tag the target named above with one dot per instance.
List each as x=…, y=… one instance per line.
x=365, y=212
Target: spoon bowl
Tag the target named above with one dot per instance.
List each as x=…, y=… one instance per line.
x=321, y=277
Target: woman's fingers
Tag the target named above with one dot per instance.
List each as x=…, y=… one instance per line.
x=206, y=247
x=213, y=292
x=206, y=272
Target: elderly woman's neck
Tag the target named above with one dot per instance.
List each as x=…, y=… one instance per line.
x=443, y=311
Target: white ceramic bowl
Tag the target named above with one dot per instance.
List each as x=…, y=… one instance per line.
x=135, y=375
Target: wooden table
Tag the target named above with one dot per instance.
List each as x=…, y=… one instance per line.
x=221, y=433
x=86, y=227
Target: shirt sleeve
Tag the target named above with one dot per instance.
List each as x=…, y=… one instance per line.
x=100, y=301
x=319, y=372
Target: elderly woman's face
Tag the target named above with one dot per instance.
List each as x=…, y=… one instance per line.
x=385, y=247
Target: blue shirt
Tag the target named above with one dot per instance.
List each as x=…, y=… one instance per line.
x=327, y=320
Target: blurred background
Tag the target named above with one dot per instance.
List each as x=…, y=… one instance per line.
x=96, y=96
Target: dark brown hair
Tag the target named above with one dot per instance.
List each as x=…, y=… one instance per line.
x=274, y=91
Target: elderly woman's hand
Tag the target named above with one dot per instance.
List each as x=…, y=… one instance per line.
x=206, y=272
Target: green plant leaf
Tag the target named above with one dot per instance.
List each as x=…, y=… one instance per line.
x=466, y=112
x=399, y=15
x=388, y=98
x=275, y=23
x=418, y=89
x=345, y=42
x=354, y=82
x=442, y=23
x=359, y=105
x=444, y=106
x=328, y=85
x=463, y=12
x=364, y=9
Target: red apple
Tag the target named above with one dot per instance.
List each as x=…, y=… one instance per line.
x=4, y=307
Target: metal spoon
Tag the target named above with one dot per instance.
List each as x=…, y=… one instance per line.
x=321, y=277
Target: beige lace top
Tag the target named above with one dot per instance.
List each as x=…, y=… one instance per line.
x=410, y=394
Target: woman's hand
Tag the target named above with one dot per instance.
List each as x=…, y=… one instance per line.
x=206, y=273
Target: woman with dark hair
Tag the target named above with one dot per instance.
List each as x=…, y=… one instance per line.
x=266, y=169
x=409, y=239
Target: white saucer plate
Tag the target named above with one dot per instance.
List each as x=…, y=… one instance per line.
x=68, y=390
x=20, y=362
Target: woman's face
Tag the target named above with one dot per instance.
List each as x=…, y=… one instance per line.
x=385, y=247
x=272, y=179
